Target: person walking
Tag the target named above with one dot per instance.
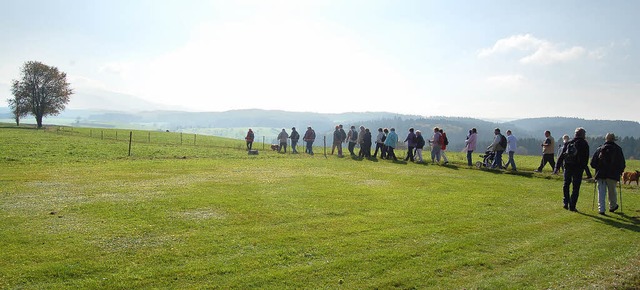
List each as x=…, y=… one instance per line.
x=365, y=148
x=295, y=136
x=608, y=162
x=471, y=144
x=309, y=137
x=361, y=141
x=560, y=161
x=282, y=138
x=383, y=152
x=575, y=156
x=390, y=143
x=352, y=138
x=250, y=137
x=435, y=145
x=444, y=141
x=419, y=146
x=498, y=146
x=337, y=141
x=379, y=142
x=512, y=145
x=411, y=144
x=548, y=148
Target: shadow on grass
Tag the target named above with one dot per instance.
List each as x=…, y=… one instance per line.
x=619, y=220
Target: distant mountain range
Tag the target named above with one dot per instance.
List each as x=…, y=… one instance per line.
x=268, y=123
x=456, y=127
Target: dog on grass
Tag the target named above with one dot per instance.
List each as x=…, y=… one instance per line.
x=630, y=176
x=275, y=147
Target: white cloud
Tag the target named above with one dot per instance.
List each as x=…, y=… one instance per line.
x=539, y=51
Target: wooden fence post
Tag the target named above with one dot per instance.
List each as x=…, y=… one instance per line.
x=325, y=145
x=130, y=138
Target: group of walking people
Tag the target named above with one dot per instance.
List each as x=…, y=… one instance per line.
x=386, y=141
x=309, y=137
x=573, y=160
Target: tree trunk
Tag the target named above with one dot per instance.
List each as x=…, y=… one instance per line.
x=18, y=121
x=39, y=121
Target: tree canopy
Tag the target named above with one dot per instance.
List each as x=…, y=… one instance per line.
x=42, y=91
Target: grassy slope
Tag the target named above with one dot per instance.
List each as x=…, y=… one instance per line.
x=77, y=212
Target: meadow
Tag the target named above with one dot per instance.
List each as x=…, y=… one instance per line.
x=77, y=211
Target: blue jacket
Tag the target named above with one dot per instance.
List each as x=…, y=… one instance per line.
x=392, y=139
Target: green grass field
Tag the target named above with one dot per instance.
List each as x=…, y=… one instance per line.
x=78, y=212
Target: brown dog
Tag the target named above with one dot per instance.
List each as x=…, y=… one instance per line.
x=275, y=147
x=630, y=176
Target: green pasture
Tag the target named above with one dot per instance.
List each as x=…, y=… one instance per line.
x=193, y=211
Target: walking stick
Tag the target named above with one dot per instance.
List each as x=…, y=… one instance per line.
x=620, y=183
x=593, y=205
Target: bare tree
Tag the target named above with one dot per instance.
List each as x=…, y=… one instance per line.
x=43, y=90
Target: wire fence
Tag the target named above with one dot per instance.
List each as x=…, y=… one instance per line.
x=321, y=145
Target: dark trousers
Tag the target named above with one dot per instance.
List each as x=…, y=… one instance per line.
x=352, y=146
x=378, y=146
x=390, y=153
x=410, y=153
x=249, y=145
x=294, y=143
x=547, y=158
x=571, y=176
x=497, y=162
x=365, y=150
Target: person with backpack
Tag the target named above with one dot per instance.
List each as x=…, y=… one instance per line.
x=574, y=156
x=444, y=141
x=295, y=136
x=498, y=146
x=411, y=144
x=547, y=152
x=609, y=163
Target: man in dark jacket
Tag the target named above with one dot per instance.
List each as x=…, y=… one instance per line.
x=295, y=136
x=608, y=161
x=575, y=155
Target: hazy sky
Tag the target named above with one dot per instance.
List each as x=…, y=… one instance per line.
x=486, y=59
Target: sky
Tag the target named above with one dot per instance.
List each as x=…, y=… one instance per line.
x=478, y=59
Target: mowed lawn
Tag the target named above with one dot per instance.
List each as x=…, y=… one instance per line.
x=78, y=212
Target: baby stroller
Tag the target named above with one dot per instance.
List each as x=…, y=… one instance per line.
x=487, y=160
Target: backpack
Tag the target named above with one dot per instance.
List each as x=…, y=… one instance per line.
x=503, y=141
x=446, y=140
x=605, y=157
x=570, y=153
